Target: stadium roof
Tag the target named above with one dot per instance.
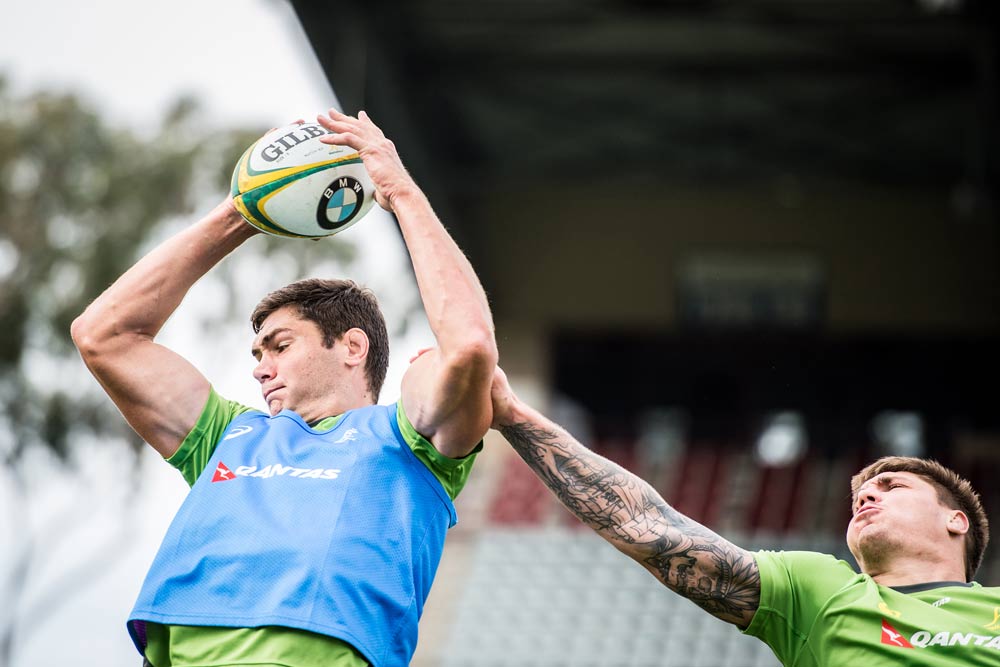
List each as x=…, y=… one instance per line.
x=481, y=92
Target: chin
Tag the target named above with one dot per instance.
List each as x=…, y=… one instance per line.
x=875, y=546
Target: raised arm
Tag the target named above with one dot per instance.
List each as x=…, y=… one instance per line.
x=685, y=556
x=159, y=393
x=446, y=392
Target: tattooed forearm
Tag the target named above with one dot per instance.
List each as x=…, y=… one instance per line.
x=718, y=576
x=687, y=557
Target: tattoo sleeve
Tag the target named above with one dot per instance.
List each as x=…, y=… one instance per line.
x=625, y=510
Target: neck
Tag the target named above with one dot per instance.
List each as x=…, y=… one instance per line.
x=339, y=407
x=314, y=411
x=911, y=571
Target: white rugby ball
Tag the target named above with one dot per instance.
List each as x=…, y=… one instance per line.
x=289, y=183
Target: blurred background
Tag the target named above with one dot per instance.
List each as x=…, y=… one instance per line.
x=741, y=247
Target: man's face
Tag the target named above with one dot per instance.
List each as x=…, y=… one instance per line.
x=896, y=511
x=295, y=371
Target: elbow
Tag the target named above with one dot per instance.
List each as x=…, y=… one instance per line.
x=92, y=334
x=84, y=333
x=479, y=351
x=476, y=355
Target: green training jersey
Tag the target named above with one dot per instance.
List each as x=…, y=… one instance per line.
x=816, y=610
x=192, y=646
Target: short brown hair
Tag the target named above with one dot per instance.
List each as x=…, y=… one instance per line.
x=335, y=306
x=953, y=491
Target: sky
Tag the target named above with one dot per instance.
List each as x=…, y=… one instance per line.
x=132, y=59
x=129, y=61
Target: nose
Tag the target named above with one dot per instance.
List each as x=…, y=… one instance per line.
x=869, y=495
x=264, y=370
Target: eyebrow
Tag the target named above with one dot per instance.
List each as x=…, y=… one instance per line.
x=879, y=480
x=892, y=479
x=265, y=342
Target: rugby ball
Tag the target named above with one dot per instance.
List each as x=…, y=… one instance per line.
x=289, y=183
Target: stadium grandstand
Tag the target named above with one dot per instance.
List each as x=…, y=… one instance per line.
x=740, y=248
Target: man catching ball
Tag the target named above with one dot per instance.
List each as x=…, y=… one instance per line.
x=312, y=532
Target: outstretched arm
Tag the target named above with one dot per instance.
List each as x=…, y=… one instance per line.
x=688, y=558
x=446, y=392
x=159, y=393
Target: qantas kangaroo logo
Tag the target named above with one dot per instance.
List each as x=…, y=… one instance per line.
x=222, y=473
x=893, y=637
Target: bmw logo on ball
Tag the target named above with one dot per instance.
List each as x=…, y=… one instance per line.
x=340, y=203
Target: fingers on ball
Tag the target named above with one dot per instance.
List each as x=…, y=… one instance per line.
x=343, y=139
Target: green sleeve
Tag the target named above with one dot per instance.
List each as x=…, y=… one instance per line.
x=795, y=586
x=199, y=445
x=452, y=473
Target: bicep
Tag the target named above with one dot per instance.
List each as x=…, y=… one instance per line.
x=448, y=402
x=159, y=393
x=718, y=576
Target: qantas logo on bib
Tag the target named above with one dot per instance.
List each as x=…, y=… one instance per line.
x=224, y=474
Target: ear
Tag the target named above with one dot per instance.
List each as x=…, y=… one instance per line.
x=958, y=523
x=355, y=341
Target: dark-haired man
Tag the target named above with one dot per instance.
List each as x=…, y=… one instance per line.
x=918, y=532
x=313, y=531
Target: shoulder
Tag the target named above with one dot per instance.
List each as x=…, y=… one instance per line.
x=979, y=590
x=795, y=588
x=797, y=573
x=804, y=561
x=452, y=473
x=200, y=443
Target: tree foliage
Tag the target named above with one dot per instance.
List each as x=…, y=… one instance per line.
x=81, y=201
